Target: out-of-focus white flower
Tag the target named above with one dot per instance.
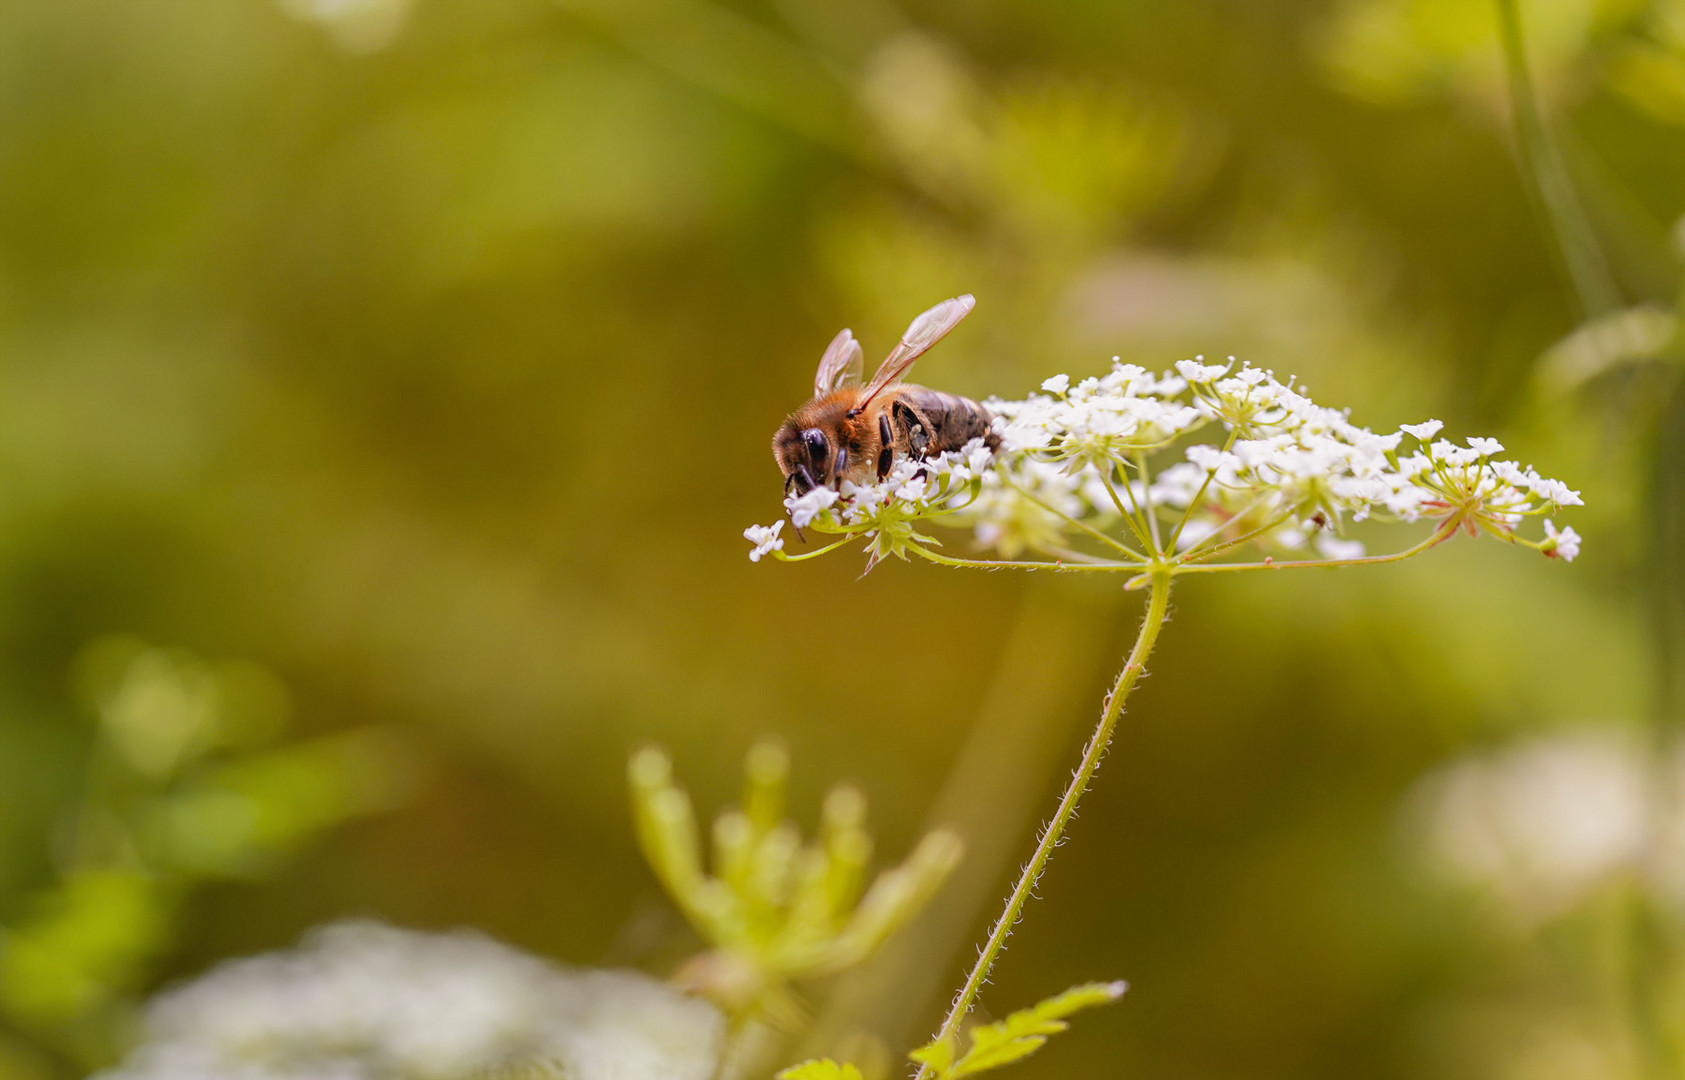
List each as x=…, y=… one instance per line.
x=1332, y=547
x=1210, y=458
x=355, y=25
x=765, y=538
x=1562, y=545
x=1423, y=431
x=1058, y=384
x=1542, y=824
x=1019, y=508
x=364, y=1001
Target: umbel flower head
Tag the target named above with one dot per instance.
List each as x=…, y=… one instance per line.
x=775, y=909
x=1176, y=472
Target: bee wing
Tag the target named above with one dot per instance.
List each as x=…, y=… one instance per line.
x=925, y=331
x=842, y=363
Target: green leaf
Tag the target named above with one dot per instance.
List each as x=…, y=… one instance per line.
x=820, y=1069
x=1022, y=1033
x=939, y=1055
x=1056, y=1008
x=992, y=1049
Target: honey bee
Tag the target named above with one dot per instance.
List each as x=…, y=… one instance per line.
x=852, y=432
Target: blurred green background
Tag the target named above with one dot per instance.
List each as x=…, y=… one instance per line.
x=390, y=383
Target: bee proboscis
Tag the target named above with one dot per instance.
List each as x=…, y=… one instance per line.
x=849, y=431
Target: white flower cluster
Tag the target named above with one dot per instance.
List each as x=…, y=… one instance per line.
x=1099, y=420
x=364, y=1001
x=1541, y=825
x=1079, y=457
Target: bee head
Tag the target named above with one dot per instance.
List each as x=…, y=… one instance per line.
x=807, y=456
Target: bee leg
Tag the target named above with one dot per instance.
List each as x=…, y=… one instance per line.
x=840, y=467
x=804, y=480
x=790, y=483
x=918, y=440
x=920, y=444
x=886, y=442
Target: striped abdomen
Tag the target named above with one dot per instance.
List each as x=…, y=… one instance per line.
x=926, y=421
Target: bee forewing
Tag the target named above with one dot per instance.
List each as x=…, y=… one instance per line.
x=842, y=362
x=922, y=333
x=929, y=328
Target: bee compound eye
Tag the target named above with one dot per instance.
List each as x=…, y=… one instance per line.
x=818, y=447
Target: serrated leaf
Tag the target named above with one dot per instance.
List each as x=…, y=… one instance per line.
x=1025, y=1031
x=820, y=1069
x=982, y=1058
x=1052, y=1011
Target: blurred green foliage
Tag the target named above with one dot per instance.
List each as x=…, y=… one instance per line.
x=427, y=354
x=181, y=787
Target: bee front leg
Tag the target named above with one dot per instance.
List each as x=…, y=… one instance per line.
x=793, y=483
x=886, y=440
x=841, y=467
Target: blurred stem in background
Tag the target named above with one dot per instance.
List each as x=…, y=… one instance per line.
x=1548, y=181
x=1653, y=953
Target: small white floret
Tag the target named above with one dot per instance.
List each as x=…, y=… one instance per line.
x=912, y=490
x=765, y=538
x=1562, y=545
x=1485, y=447
x=1424, y=431
x=1555, y=491
x=1447, y=452
x=804, y=508
x=1196, y=372
x=1058, y=384
x=1208, y=458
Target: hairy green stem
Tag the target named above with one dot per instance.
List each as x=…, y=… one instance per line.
x=1157, y=606
x=1023, y=564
